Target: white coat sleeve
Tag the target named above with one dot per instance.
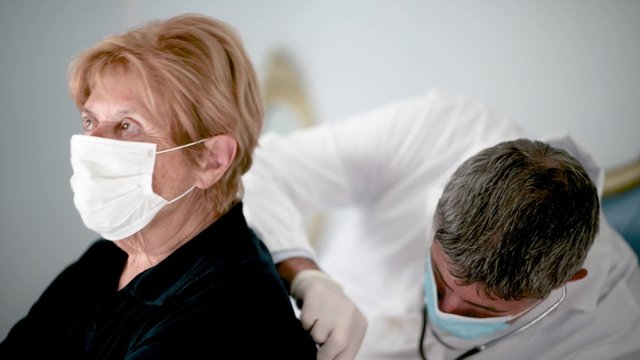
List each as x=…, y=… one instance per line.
x=352, y=162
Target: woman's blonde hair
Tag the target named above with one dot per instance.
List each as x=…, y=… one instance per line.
x=196, y=79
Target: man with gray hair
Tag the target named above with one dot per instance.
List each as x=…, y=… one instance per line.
x=460, y=239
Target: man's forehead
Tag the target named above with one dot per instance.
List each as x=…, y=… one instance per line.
x=471, y=294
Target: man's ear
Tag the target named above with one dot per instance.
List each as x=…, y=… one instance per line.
x=579, y=275
x=219, y=153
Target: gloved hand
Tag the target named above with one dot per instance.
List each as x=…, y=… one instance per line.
x=335, y=323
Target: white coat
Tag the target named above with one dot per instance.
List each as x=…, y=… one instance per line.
x=389, y=166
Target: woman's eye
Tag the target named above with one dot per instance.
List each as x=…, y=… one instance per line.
x=88, y=124
x=128, y=126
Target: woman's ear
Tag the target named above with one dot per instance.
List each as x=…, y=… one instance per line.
x=219, y=153
x=579, y=275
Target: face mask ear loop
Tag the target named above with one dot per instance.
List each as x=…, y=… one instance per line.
x=181, y=146
x=178, y=148
x=182, y=195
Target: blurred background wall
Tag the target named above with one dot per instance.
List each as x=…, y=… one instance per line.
x=553, y=66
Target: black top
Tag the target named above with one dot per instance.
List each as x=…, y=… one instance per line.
x=217, y=296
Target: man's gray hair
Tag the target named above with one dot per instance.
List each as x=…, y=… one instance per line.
x=517, y=218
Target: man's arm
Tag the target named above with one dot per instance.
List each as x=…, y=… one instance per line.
x=348, y=163
x=289, y=268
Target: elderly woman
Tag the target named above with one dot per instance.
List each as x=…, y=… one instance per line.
x=171, y=114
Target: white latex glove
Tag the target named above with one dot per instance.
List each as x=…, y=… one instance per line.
x=333, y=320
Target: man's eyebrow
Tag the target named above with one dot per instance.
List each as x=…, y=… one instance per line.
x=487, y=308
x=483, y=307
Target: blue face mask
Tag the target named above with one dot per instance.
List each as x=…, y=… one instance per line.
x=466, y=328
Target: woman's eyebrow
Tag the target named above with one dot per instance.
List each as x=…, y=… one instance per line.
x=87, y=111
x=123, y=112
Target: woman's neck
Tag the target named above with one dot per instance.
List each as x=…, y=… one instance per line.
x=167, y=232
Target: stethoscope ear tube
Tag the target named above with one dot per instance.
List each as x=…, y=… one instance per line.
x=423, y=331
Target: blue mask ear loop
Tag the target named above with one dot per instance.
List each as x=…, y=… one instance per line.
x=491, y=343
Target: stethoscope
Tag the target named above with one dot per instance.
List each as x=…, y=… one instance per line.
x=476, y=349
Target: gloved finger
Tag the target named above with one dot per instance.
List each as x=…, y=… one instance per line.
x=308, y=318
x=344, y=341
x=320, y=332
x=349, y=353
x=333, y=347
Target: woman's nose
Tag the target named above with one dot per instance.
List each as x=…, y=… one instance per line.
x=100, y=131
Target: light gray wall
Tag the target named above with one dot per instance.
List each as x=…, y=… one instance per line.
x=40, y=231
x=552, y=65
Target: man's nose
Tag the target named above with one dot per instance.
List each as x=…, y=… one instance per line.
x=449, y=302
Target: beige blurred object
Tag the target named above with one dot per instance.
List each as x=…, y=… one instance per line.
x=283, y=87
x=621, y=179
x=288, y=108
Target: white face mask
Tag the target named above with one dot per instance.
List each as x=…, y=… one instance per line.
x=112, y=184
